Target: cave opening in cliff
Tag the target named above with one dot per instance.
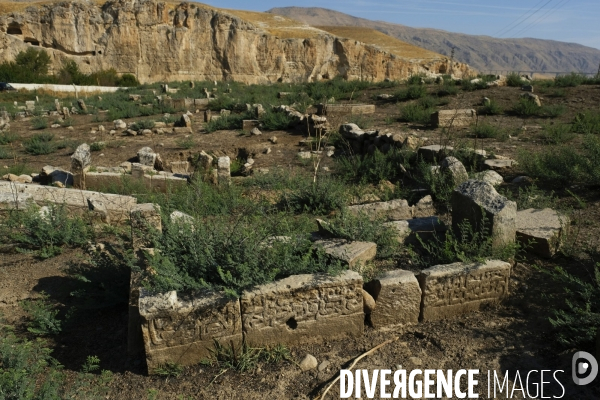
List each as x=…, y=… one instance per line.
x=14, y=29
x=31, y=41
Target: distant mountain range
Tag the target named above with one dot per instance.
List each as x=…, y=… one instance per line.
x=483, y=53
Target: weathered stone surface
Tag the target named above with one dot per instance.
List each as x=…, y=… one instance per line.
x=351, y=131
x=368, y=302
x=146, y=156
x=182, y=330
x=434, y=152
x=491, y=177
x=185, y=121
x=205, y=160
x=495, y=164
x=456, y=169
x=304, y=309
x=81, y=158
x=249, y=124
x=534, y=98
x=120, y=124
x=179, y=167
x=427, y=228
x=309, y=362
x=255, y=132
x=353, y=254
x=224, y=170
x=424, y=208
x=15, y=201
x=540, y=231
x=453, y=118
x=478, y=203
x=398, y=299
x=343, y=109
x=146, y=215
x=392, y=210
x=458, y=288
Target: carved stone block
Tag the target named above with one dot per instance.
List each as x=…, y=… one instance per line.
x=304, y=309
x=458, y=288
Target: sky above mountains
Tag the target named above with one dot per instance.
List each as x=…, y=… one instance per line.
x=564, y=20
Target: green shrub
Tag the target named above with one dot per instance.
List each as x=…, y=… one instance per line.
x=587, y=122
x=531, y=197
x=416, y=113
x=492, y=108
x=362, y=121
x=39, y=123
x=45, y=231
x=552, y=111
x=321, y=197
x=557, y=134
x=222, y=103
x=576, y=322
x=373, y=168
x=571, y=80
x=97, y=146
x=244, y=358
x=412, y=92
x=42, y=316
x=230, y=253
x=40, y=144
x=438, y=183
x=143, y=124
x=415, y=79
x=7, y=137
x=485, y=130
x=226, y=122
x=448, y=89
x=276, y=121
x=186, y=143
x=5, y=154
x=513, y=79
x=526, y=108
x=66, y=122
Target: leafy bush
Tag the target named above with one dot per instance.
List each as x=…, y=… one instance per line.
x=5, y=154
x=416, y=113
x=571, y=80
x=226, y=122
x=275, y=121
x=513, y=79
x=553, y=110
x=485, y=130
x=531, y=197
x=449, y=88
x=492, y=108
x=373, y=168
x=186, y=143
x=7, y=137
x=587, y=122
x=412, y=92
x=557, y=134
x=143, y=124
x=39, y=123
x=42, y=316
x=46, y=230
x=576, y=322
x=526, y=108
x=321, y=197
x=229, y=253
x=244, y=358
x=97, y=146
x=41, y=144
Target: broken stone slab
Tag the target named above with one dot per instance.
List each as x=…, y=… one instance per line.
x=456, y=169
x=495, y=164
x=224, y=170
x=424, y=208
x=540, y=231
x=427, y=228
x=353, y=254
x=205, y=160
x=459, y=288
x=185, y=121
x=479, y=204
x=397, y=297
x=344, y=109
x=146, y=215
x=534, y=98
x=304, y=309
x=179, y=167
x=453, y=118
x=491, y=177
x=81, y=158
x=351, y=131
x=15, y=201
x=182, y=330
x=120, y=124
x=392, y=210
x=434, y=152
x=146, y=156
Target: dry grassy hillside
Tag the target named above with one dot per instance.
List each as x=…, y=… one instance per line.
x=480, y=52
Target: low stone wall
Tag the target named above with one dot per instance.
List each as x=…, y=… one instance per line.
x=159, y=183
x=345, y=109
x=309, y=309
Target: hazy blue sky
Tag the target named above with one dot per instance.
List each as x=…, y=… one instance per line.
x=565, y=20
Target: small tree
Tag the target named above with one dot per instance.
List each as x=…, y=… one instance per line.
x=35, y=62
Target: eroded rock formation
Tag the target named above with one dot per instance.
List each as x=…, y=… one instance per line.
x=158, y=41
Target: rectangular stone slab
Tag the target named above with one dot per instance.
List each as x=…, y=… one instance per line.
x=351, y=253
x=539, y=231
x=183, y=331
x=427, y=229
x=398, y=299
x=342, y=109
x=304, y=309
x=459, y=288
x=392, y=210
x=454, y=118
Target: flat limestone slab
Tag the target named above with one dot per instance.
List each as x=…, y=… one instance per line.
x=392, y=210
x=183, y=330
x=453, y=118
x=351, y=253
x=434, y=152
x=459, y=288
x=398, y=299
x=15, y=201
x=341, y=109
x=304, y=309
x=540, y=230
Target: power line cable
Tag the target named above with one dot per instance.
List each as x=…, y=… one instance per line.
x=558, y=5
x=521, y=21
x=525, y=15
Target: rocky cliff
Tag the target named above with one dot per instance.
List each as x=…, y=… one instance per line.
x=158, y=41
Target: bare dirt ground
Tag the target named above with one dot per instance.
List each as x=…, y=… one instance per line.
x=512, y=336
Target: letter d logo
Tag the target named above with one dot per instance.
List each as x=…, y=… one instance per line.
x=584, y=364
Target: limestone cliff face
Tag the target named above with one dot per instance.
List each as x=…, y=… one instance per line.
x=159, y=41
